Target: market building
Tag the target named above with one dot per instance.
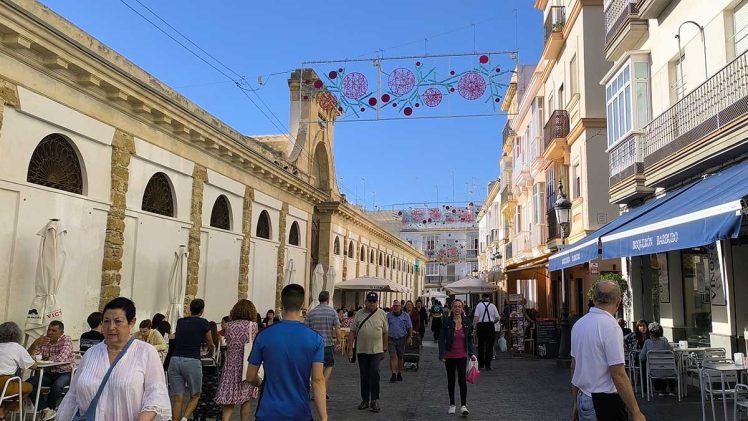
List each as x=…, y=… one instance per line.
x=135, y=172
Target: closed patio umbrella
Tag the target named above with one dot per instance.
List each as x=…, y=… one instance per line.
x=317, y=284
x=330, y=282
x=289, y=273
x=176, y=286
x=49, y=272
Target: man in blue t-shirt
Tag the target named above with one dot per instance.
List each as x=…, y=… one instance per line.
x=290, y=353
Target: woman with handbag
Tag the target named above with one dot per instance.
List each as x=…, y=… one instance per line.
x=240, y=335
x=120, y=378
x=455, y=345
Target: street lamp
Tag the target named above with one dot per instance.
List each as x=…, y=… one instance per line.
x=563, y=217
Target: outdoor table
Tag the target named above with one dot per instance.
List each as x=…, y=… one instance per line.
x=40, y=366
x=682, y=354
x=722, y=368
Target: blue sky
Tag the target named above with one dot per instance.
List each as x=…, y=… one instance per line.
x=402, y=161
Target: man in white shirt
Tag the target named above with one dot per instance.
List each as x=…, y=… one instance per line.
x=484, y=317
x=600, y=386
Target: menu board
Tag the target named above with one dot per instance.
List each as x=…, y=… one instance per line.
x=546, y=338
x=516, y=323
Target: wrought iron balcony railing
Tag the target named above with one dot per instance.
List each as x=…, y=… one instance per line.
x=557, y=127
x=716, y=103
x=616, y=15
x=555, y=21
x=629, y=152
x=507, y=133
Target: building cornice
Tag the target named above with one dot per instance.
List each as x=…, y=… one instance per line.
x=582, y=125
x=37, y=37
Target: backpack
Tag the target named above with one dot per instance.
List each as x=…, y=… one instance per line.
x=437, y=308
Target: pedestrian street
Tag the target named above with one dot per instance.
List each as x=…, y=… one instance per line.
x=518, y=388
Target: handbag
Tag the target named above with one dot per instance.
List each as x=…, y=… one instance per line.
x=502, y=344
x=472, y=372
x=245, y=363
x=353, y=355
x=90, y=414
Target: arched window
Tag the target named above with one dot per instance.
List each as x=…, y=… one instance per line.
x=158, y=196
x=371, y=257
x=387, y=262
x=220, y=216
x=263, y=226
x=362, y=254
x=381, y=258
x=336, y=246
x=351, y=253
x=55, y=164
x=293, y=235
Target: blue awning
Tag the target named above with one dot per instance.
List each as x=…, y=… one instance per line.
x=703, y=213
x=587, y=248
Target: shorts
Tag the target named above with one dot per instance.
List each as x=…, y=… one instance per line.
x=329, y=357
x=396, y=346
x=185, y=372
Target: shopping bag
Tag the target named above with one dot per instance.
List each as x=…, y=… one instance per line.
x=472, y=372
x=502, y=344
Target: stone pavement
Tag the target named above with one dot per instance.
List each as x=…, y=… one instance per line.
x=516, y=389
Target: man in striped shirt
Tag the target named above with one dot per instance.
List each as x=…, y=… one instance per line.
x=324, y=320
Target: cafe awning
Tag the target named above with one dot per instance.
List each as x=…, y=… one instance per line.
x=704, y=212
x=586, y=249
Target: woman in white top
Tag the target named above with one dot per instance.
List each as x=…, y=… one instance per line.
x=136, y=389
x=13, y=356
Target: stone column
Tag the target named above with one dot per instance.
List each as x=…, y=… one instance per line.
x=123, y=147
x=199, y=178
x=249, y=197
x=8, y=96
x=281, y=264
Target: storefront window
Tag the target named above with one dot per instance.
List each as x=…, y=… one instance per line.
x=696, y=295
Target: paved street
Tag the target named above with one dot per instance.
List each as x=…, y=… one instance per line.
x=517, y=389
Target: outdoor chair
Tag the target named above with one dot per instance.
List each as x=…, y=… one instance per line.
x=741, y=400
x=661, y=366
x=5, y=396
x=712, y=386
x=633, y=367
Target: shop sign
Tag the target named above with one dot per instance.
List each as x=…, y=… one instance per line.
x=594, y=268
x=716, y=286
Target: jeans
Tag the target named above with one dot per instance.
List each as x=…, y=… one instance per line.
x=55, y=382
x=458, y=365
x=486, y=334
x=585, y=408
x=368, y=367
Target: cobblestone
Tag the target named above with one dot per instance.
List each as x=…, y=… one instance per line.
x=518, y=388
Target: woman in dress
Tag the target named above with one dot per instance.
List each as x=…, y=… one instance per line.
x=232, y=390
x=136, y=389
x=269, y=319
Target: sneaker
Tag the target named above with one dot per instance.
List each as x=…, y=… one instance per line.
x=363, y=405
x=48, y=414
x=393, y=378
x=452, y=409
x=464, y=411
x=374, y=406
x=672, y=394
x=399, y=377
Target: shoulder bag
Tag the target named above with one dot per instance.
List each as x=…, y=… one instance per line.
x=90, y=414
x=247, y=352
x=358, y=329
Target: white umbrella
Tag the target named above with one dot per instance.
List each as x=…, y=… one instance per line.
x=49, y=272
x=330, y=282
x=289, y=273
x=371, y=284
x=434, y=294
x=176, y=286
x=468, y=285
x=317, y=284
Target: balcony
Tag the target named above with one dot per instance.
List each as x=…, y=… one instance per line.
x=536, y=160
x=555, y=132
x=626, y=164
x=523, y=242
x=552, y=225
x=554, y=28
x=651, y=9
x=471, y=254
x=539, y=235
x=624, y=28
x=701, y=126
x=495, y=235
x=507, y=199
x=508, y=251
x=508, y=133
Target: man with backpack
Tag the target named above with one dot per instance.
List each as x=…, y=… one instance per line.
x=486, y=314
x=436, y=312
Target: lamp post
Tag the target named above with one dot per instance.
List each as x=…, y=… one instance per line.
x=563, y=218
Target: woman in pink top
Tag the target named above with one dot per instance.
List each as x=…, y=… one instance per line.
x=455, y=345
